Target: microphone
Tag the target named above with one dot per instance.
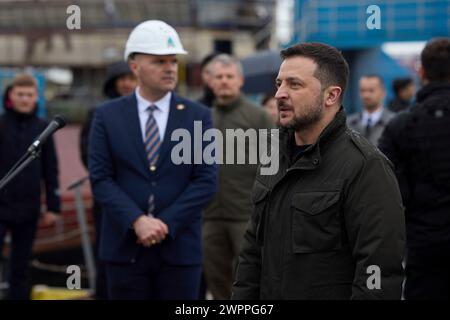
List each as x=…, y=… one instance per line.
x=57, y=123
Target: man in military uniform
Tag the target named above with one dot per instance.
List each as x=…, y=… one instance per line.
x=418, y=143
x=329, y=224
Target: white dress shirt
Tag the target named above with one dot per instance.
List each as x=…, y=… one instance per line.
x=374, y=117
x=161, y=113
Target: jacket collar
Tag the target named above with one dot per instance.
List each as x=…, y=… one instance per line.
x=383, y=120
x=19, y=116
x=432, y=88
x=230, y=106
x=312, y=156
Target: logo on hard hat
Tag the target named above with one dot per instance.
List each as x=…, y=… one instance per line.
x=170, y=43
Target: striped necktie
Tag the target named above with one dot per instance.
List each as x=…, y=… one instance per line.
x=368, y=128
x=152, y=145
x=152, y=140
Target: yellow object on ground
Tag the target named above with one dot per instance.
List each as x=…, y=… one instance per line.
x=42, y=292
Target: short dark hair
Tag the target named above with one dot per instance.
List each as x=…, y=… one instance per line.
x=208, y=59
x=435, y=59
x=332, y=69
x=266, y=98
x=373, y=75
x=401, y=83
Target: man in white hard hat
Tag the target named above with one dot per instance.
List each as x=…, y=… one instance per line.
x=152, y=208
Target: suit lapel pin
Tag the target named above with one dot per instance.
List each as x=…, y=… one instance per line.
x=180, y=106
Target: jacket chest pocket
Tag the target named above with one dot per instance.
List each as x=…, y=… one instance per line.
x=259, y=198
x=316, y=223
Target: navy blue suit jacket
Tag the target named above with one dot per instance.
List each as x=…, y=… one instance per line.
x=122, y=181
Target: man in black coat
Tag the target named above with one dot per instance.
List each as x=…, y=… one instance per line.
x=417, y=141
x=20, y=201
x=329, y=223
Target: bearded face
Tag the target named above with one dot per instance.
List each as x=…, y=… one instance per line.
x=299, y=96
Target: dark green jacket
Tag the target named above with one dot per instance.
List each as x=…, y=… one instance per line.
x=322, y=223
x=233, y=200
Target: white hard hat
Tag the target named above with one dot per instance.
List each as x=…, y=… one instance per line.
x=153, y=37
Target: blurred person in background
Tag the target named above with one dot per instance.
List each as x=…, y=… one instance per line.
x=374, y=117
x=208, y=94
x=417, y=141
x=152, y=208
x=20, y=201
x=404, y=90
x=270, y=104
x=226, y=218
x=120, y=81
x=206, y=99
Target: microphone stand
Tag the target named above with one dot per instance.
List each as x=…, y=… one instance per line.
x=20, y=166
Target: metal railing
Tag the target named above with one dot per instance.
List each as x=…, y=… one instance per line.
x=84, y=231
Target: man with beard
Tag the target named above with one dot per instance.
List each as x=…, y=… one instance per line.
x=329, y=224
x=372, y=120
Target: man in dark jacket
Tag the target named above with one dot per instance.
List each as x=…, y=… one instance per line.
x=417, y=141
x=404, y=90
x=329, y=224
x=20, y=201
x=208, y=95
x=120, y=81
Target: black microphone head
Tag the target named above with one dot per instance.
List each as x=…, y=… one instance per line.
x=60, y=120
